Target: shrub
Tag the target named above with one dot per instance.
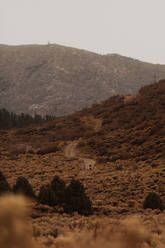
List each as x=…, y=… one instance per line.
x=22, y=186
x=48, y=148
x=2, y=177
x=46, y=195
x=153, y=201
x=58, y=186
x=76, y=199
x=17, y=149
x=4, y=186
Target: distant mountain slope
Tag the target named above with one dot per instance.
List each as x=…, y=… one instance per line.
x=120, y=128
x=52, y=79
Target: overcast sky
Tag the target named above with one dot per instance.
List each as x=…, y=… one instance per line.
x=134, y=28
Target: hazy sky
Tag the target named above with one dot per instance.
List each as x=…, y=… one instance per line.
x=134, y=28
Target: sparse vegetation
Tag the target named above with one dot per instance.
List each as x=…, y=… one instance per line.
x=16, y=231
x=39, y=68
x=117, y=184
x=72, y=198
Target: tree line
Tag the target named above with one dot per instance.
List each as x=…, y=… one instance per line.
x=11, y=120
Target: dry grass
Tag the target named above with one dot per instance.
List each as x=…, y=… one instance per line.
x=14, y=229
x=92, y=233
x=127, y=233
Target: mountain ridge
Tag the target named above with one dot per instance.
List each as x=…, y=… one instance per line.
x=58, y=80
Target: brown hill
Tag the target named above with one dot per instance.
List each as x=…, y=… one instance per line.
x=107, y=143
x=115, y=148
x=52, y=79
x=123, y=127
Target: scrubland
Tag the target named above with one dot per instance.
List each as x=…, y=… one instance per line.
x=17, y=229
x=123, y=139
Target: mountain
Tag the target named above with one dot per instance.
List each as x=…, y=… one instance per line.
x=120, y=128
x=115, y=148
x=57, y=80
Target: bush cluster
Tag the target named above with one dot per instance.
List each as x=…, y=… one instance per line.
x=76, y=199
x=72, y=198
x=53, y=194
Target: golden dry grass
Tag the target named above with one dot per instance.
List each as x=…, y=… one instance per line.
x=127, y=233
x=15, y=232
x=52, y=229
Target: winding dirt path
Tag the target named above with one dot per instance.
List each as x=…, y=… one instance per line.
x=70, y=150
x=84, y=165
x=98, y=124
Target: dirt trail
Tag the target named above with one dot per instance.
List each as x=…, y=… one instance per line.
x=98, y=124
x=70, y=150
x=92, y=122
x=85, y=164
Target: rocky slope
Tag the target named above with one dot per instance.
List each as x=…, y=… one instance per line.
x=52, y=79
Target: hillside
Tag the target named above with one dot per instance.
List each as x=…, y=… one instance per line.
x=122, y=136
x=116, y=149
x=120, y=128
x=57, y=80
